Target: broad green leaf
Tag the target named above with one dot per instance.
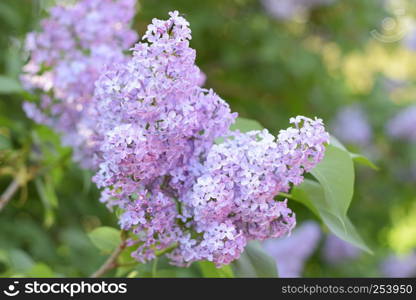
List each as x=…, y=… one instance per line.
x=209, y=270
x=9, y=85
x=358, y=158
x=362, y=160
x=312, y=195
x=245, y=125
x=105, y=238
x=40, y=270
x=254, y=262
x=336, y=175
x=336, y=143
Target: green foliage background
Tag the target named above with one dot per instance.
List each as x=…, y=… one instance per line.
x=268, y=70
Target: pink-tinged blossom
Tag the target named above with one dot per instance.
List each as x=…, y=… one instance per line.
x=351, y=126
x=336, y=251
x=397, y=266
x=74, y=46
x=403, y=125
x=292, y=252
x=160, y=166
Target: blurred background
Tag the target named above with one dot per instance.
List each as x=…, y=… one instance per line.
x=351, y=63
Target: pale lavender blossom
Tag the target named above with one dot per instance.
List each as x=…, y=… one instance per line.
x=289, y=9
x=403, y=125
x=156, y=124
x=351, y=126
x=74, y=46
x=399, y=265
x=336, y=250
x=160, y=166
x=293, y=251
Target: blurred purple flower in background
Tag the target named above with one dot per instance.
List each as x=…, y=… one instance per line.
x=403, y=125
x=399, y=266
x=337, y=251
x=289, y=9
x=410, y=39
x=292, y=252
x=75, y=45
x=351, y=126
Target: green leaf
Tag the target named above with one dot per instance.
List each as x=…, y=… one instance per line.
x=209, y=270
x=245, y=125
x=362, y=160
x=358, y=158
x=254, y=262
x=105, y=238
x=9, y=85
x=336, y=175
x=40, y=270
x=312, y=195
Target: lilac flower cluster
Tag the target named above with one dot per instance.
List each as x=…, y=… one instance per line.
x=161, y=167
x=292, y=252
x=289, y=9
x=402, y=126
x=67, y=56
x=351, y=126
x=149, y=129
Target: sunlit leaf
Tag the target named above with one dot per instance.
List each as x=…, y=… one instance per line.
x=208, y=269
x=105, y=238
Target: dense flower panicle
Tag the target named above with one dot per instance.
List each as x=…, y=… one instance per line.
x=351, y=126
x=73, y=48
x=152, y=113
x=289, y=9
x=156, y=123
x=239, y=180
x=402, y=126
x=397, y=266
x=292, y=252
x=161, y=167
x=152, y=129
x=337, y=251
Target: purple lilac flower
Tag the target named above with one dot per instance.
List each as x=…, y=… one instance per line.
x=67, y=56
x=289, y=9
x=236, y=188
x=351, y=126
x=403, y=125
x=161, y=167
x=292, y=252
x=336, y=251
x=399, y=266
x=156, y=123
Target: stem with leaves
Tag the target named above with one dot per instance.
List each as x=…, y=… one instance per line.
x=111, y=261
